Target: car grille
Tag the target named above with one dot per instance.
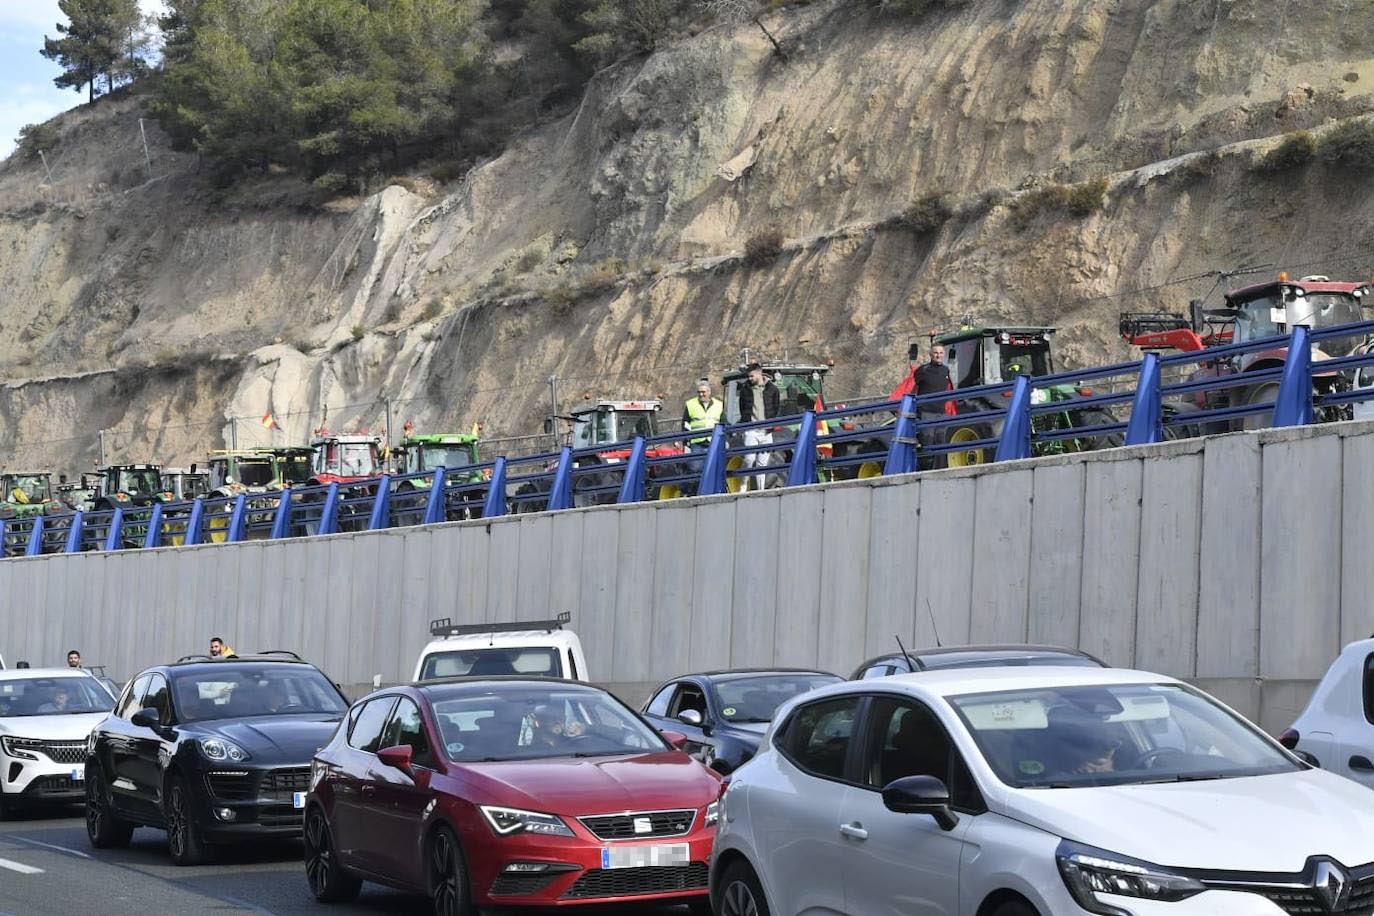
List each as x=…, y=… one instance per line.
x=281, y=816
x=1306, y=901
x=622, y=826
x=54, y=785
x=280, y=785
x=631, y=882
x=230, y=785
x=517, y=885
x=272, y=786
x=56, y=751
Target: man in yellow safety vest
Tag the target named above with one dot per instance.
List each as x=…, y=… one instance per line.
x=702, y=412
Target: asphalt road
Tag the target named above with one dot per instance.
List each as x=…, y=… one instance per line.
x=48, y=867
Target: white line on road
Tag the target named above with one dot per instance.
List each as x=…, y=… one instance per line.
x=70, y=852
x=22, y=869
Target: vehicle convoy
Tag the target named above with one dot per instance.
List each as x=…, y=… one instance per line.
x=1007, y=656
x=1253, y=313
x=26, y=494
x=212, y=750
x=45, y=716
x=529, y=648
x=725, y=713
x=508, y=792
x=1336, y=729
x=1043, y=791
x=991, y=354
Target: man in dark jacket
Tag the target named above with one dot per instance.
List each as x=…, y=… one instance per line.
x=931, y=378
x=758, y=400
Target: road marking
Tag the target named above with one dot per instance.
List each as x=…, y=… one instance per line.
x=22, y=869
x=70, y=852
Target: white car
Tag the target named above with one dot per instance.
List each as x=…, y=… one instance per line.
x=45, y=716
x=1034, y=792
x=1337, y=727
x=538, y=648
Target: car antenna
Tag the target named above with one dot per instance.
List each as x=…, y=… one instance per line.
x=933, y=627
x=905, y=654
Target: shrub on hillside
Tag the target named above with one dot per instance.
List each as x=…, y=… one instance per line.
x=927, y=214
x=764, y=246
x=918, y=7
x=1082, y=199
x=358, y=332
x=1349, y=146
x=1297, y=149
x=37, y=138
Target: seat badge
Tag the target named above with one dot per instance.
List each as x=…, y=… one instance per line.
x=643, y=825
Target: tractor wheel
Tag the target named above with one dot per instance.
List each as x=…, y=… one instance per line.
x=968, y=458
x=734, y=484
x=1266, y=393
x=669, y=491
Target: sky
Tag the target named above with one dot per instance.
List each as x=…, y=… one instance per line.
x=27, y=95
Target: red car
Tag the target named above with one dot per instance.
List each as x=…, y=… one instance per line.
x=488, y=792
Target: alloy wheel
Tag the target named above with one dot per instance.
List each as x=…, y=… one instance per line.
x=176, y=821
x=448, y=884
x=319, y=854
x=95, y=803
x=738, y=900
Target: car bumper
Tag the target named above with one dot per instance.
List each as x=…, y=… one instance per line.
x=242, y=804
x=575, y=874
x=41, y=779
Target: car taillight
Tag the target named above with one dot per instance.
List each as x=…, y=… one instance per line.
x=1289, y=738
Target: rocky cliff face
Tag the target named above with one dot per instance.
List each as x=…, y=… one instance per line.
x=606, y=248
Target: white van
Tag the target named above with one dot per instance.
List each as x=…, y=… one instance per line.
x=533, y=648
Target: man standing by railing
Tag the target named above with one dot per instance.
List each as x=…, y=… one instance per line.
x=758, y=400
x=929, y=378
x=702, y=412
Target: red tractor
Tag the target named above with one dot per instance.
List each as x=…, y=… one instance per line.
x=607, y=422
x=345, y=459
x=1253, y=313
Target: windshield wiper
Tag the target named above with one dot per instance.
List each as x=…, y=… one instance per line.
x=1182, y=777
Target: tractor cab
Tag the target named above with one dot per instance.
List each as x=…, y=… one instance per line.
x=345, y=459
x=450, y=451
x=800, y=387
x=185, y=483
x=233, y=472
x=603, y=422
x=126, y=485
x=991, y=355
x=1273, y=309
x=27, y=494
x=78, y=497
x=291, y=463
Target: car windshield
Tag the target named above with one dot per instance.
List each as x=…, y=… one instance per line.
x=255, y=472
x=756, y=698
x=53, y=696
x=140, y=481
x=541, y=661
x=999, y=659
x=444, y=456
x=529, y=722
x=228, y=691
x=1067, y=737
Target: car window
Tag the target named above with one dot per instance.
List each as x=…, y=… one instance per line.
x=658, y=706
x=158, y=698
x=876, y=671
x=906, y=739
x=689, y=696
x=235, y=691
x=818, y=736
x=756, y=698
x=407, y=727
x=366, y=734
x=49, y=695
x=129, y=704
x=1369, y=689
x=539, y=661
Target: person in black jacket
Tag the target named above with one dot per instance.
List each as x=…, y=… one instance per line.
x=932, y=378
x=758, y=400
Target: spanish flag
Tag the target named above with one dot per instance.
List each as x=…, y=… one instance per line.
x=269, y=421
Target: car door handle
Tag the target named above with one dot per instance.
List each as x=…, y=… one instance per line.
x=369, y=790
x=854, y=830
x=1359, y=762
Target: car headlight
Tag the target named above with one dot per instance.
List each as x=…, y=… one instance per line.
x=712, y=813
x=505, y=821
x=13, y=747
x=1090, y=873
x=218, y=749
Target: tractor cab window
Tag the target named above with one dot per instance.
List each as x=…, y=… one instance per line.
x=1256, y=319
x=1024, y=358
x=1322, y=310
x=594, y=428
x=255, y=472
x=443, y=456
x=359, y=459
x=295, y=468
x=139, y=481
x=327, y=458
x=27, y=488
x=965, y=363
x=643, y=425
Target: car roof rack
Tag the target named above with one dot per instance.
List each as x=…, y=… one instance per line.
x=287, y=652
x=444, y=626
x=195, y=658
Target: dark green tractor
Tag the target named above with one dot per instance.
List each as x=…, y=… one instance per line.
x=986, y=355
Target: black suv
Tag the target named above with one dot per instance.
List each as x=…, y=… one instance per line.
x=211, y=750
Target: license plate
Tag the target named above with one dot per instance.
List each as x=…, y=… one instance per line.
x=298, y=799
x=78, y=774
x=658, y=856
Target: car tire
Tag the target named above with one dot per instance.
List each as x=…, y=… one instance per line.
x=7, y=808
x=700, y=906
x=184, y=841
x=448, y=876
x=329, y=882
x=103, y=829
x=741, y=894
x=1015, y=908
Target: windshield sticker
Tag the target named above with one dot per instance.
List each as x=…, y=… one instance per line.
x=729, y=711
x=1003, y=715
x=455, y=747
x=1031, y=767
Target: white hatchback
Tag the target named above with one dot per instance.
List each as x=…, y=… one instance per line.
x=1049, y=791
x=45, y=716
x=1337, y=727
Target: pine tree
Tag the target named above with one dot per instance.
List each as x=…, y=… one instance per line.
x=100, y=38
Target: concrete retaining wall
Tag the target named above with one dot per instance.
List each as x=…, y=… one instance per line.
x=1241, y=562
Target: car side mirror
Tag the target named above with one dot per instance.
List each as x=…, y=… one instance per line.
x=677, y=739
x=147, y=718
x=398, y=757
x=920, y=795
x=720, y=765
x=690, y=717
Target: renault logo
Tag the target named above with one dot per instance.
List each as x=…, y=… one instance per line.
x=1332, y=885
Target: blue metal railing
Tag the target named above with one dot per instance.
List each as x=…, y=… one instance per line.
x=1270, y=382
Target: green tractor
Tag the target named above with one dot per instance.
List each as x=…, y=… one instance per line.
x=127, y=486
x=26, y=494
x=987, y=355
x=450, y=451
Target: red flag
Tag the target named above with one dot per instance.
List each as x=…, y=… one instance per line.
x=269, y=421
